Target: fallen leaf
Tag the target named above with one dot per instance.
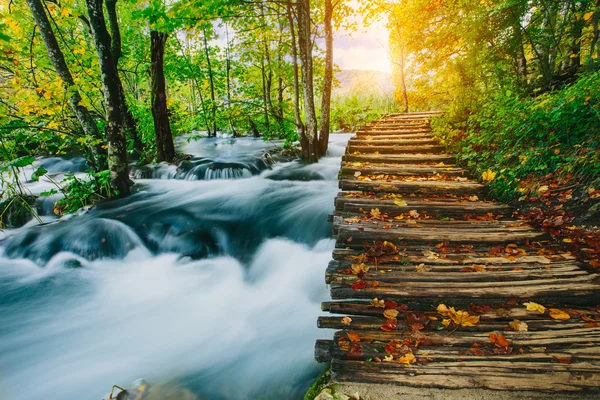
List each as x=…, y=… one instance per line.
x=422, y=268
x=442, y=309
x=358, y=285
x=473, y=198
x=357, y=174
x=499, y=340
x=353, y=337
x=408, y=358
x=355, y=352
x=559, y=314
x=375, y=213
x=377, y=303
x=462, y=318
x=414, y=214
x=346, y=321
x=388, y=358
x=400, y=203
x=531, y=306
x=543, y=189
x=519, y=326
x=358, y=269
x=389, y=314
x=446, y=322
x=488, y=175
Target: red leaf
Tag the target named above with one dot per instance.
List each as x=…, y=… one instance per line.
x=390, y=304
x=359, y=285
x=355, y=352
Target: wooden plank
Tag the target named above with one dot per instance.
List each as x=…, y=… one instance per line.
x=456, y=188
x=395, y=149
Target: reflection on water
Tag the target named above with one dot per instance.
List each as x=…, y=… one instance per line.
x=215, y=284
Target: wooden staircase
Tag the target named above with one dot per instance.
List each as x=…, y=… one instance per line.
x=431, y=279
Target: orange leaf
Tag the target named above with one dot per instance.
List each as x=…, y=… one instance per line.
x=559, y=314
x=353, y=337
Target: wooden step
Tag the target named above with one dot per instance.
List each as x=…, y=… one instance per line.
x=432, y=207
x=350, y=169
x=377, y=141
x=456, y=188
x=395, y=149
x=400, y=159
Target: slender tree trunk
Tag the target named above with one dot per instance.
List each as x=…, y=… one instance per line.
x=60, y=65
x=212, y=86
x=165, y=150
x=296, y=83
x=115, y=33
x=115, y=128
x=203, y=105
x=327, y=79
x=594, y=47
x=228, y=75
x=403, y=80
x=310, y=151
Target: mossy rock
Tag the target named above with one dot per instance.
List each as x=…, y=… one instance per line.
x=16, y=211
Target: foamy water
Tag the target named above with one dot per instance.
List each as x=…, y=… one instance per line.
x=213, y=284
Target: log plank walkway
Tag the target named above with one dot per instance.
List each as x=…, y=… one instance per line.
x=413, y=232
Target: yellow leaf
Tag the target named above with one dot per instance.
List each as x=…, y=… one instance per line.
x=446, y=322
x=408, y=358
x=488, y=175
x=65, y=12
x=442, y=309
x=359, y=268
x=357, y=174
x=346, y=321
x=400, y=203
x=375, y=213
x=519, y=326
x=588, y=16
x=559, y=314
x=543, y=189
x=567, y=240
x=390, y=314
x=531, y=306
x=462, y=318
x=473, y=198
x=388, y=358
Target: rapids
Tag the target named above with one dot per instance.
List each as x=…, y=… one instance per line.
x=209, y=276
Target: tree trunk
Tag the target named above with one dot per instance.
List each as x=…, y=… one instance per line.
x=115, y=33
x=165, y=150
x=403, y=80
x=594, y=46
x=310, y=149
x=115, y=128
x=212, y=86
x=298, y=119
x=327, y=79
x=60, y=65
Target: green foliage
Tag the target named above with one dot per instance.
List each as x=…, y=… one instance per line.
x=520, y=138
x=351, y=111
x=82, y=192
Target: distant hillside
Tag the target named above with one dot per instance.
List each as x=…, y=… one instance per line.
x=364, y=81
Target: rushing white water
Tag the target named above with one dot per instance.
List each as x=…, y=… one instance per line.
x=213, y=284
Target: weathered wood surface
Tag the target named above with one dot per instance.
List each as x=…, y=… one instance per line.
x=414, y=231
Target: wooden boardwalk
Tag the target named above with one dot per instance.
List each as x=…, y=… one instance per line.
x=434, y=286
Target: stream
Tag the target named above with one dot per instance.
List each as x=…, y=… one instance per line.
x=210, y=276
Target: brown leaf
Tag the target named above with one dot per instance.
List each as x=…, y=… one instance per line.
x=519, y=326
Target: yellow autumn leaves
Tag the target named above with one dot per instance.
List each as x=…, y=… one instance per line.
x=488, y=175
x=460, y=318
x=554, y=312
